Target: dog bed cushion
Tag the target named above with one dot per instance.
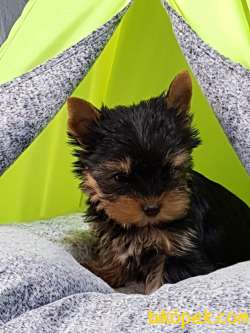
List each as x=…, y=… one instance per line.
x=44, y=289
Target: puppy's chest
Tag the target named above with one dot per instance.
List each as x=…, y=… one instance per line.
x=148, y=242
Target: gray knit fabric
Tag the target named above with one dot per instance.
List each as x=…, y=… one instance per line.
x=29, y=102
x=10, y=10
x=54, y=229
x=226, y=85
x=34, y=272
x=57, y=229
x=43, y=289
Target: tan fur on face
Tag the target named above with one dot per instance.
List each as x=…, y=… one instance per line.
x=128, y=210
x=120, y=165
x=125, y=210
x=90, y=186
x=174, y=205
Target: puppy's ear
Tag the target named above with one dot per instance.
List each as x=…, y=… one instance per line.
x=179, y=93
x=81, y=115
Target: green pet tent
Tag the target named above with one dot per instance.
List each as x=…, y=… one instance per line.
x=150, y=45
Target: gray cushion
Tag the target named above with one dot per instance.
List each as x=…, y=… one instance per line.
x=42, y=289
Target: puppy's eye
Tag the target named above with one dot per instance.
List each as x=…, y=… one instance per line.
x=120, y=177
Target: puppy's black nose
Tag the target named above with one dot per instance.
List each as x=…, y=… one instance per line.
x=151, y=210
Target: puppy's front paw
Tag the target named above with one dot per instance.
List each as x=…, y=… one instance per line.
x=154, y=279
x=115, y=275
x=152, y=284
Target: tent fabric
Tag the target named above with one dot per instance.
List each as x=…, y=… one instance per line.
x=226, y=85
x=47, y=28
x=29, y=102
x=43, y=289
x=139, y=62
x=223, y=25
x=9, y=12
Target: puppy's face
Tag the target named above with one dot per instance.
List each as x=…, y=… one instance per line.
x=135, y=161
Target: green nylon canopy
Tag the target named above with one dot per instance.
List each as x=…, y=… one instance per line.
x=139, y=62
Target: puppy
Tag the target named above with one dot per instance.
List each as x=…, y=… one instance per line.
x=155, y=219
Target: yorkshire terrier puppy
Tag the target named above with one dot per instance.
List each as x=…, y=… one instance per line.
x=155, y=219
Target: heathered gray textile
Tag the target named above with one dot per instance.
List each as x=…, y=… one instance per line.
x=29, y=102
x=56, y=229
x=10, y=10
x=34, y=272
x=44, y=290
x=225, y=83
